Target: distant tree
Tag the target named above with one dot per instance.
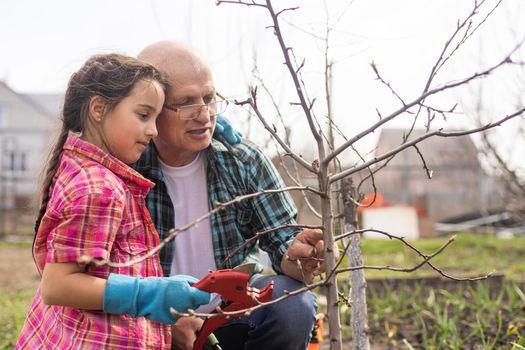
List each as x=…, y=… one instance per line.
x=502, y=150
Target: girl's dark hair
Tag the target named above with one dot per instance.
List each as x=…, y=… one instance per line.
x=111, y=76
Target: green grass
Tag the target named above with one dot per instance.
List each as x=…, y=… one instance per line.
x=14, y=306
x=407, y=310
x=468, y=255
x=24, y=244
x=478, y=315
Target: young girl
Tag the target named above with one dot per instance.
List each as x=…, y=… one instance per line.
x=93, y=205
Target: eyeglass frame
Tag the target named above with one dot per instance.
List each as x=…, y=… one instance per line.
x=201, y=105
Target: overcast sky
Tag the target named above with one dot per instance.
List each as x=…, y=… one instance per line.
x=43, y=41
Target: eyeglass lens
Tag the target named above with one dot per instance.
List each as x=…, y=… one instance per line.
x=193, y=111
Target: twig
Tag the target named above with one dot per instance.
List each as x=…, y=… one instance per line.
x=427, y=170
x=380, y=78
x=253, y=103
x=247, y=311
x=413, y=248
x=417, y=101
x=172, y=233
x=439, y=133
x=261, y=234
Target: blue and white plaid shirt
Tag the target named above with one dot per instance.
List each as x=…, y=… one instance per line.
x=231, y=172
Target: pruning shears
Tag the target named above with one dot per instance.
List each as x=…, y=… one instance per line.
x=236, y=294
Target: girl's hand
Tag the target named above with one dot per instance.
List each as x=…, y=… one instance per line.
x=152, y=297
x=224, y=128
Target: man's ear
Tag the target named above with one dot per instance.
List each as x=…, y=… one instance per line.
x=97, y=108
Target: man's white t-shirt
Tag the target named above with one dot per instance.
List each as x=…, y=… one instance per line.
x=188, y=190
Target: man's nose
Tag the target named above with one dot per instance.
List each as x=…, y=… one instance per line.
x=203, y=115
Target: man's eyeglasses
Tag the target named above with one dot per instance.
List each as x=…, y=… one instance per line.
x=189, y=112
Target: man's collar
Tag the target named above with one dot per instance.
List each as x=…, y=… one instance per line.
x=218, y=146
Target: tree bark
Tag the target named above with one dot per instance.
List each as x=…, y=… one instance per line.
x=359, y=314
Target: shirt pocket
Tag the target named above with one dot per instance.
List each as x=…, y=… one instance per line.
x=132, y=237
x=130, y=243
x=131, y=248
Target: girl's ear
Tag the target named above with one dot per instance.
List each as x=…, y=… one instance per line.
x=97, y=108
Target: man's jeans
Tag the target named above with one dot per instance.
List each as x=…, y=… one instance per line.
x=285, y=325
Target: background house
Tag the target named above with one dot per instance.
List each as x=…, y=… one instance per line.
x=26, y=133
x=459, y=187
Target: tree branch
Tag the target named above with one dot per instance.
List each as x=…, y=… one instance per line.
x=253, y=103
x=426, y=258
x=439, y=133
x=417, y=101
x=176, y=231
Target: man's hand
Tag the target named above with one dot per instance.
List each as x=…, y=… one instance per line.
x=304, y=259
x=184, y=333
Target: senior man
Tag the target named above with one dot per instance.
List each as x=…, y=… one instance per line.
x=192, y=172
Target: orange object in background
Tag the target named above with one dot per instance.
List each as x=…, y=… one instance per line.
x=317, y=333
x=372, y=201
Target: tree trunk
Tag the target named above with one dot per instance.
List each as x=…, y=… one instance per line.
x=359, y=314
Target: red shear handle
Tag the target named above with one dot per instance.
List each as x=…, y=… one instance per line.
x=235, y=292
x=228, y=283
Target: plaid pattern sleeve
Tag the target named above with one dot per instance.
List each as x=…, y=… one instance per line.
x=243, y=170
x=100, y=214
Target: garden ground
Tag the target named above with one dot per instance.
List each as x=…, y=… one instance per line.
x=416, y=311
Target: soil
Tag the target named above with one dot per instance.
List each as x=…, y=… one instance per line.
x=17, y=269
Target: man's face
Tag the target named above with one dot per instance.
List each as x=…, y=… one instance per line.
x=180, y=140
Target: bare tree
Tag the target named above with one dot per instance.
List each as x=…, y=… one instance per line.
x=331, y=178
x=329, y=175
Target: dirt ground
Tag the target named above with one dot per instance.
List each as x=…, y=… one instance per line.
x=17, y=269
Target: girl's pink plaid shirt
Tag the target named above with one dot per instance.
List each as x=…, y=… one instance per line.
x=96, y=209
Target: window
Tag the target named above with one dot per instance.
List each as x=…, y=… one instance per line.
x=23, y=166
x=13, y=158
x=15, y=161
x=11, y=161
x=3, y=116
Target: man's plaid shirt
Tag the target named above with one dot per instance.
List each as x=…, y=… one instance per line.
x=231, y=172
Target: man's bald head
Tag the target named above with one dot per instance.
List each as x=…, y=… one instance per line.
x=180, y=139
x=172, y=56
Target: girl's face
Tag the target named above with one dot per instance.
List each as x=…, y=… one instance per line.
x=129, y=127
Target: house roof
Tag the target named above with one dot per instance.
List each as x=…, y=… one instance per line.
x=437, y=151
x=6, y=92
x=51, y=103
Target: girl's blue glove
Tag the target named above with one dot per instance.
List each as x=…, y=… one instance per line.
x=152, y=297
x=224, y=128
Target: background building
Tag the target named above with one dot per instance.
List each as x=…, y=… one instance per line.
x=26, y=133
